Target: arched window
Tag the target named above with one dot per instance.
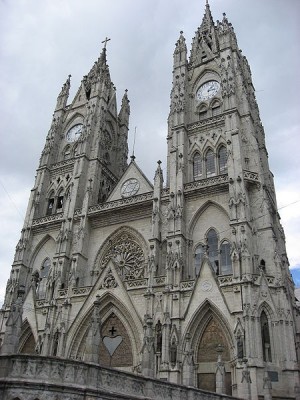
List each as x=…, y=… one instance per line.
x=50, y=207
x=265, y=337
x=210, y=164
x=45, y=268
x=67, y=153
x=44, y=272
x=203, y=112
x=197, y=166
x=60, y=201
x=216, y=108
x=212, y=242
x=199, y=252
x=222, y=156
x=225, y=259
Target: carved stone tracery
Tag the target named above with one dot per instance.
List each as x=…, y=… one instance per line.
x=127, y=256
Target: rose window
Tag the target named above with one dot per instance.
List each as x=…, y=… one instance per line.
x=127, y=256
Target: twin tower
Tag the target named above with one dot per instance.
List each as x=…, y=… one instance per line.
x=184, y=279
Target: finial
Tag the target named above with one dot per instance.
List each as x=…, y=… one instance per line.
x=159, y=162
x=181, y=32
x=105, y=42
x=132, y=158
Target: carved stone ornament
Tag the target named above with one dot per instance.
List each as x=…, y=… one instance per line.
x=127, y=256
x=109, y=281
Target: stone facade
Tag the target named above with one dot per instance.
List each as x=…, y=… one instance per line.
x=187, y=281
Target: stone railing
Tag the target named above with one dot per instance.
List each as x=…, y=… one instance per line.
x=47, y=219
x=206, y=182
x=121, y=202
x=29, y=377
x=251, y=176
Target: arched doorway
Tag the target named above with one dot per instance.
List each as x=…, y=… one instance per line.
x=213, y=342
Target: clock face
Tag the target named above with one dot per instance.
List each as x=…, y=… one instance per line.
x=208, y=90
x=74, y=133
x=130, y=187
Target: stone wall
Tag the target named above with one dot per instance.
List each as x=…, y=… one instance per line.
x=24, y=377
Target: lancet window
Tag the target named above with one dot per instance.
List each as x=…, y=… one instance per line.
x=197, y=166
x=222, y=158
x=217, y=253
x=265, y=337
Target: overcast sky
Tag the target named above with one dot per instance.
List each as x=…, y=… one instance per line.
x=44, y=41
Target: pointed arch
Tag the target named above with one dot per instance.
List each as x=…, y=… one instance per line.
x=209, y=331
x=222, y=159
x=109, y=305
x=77, y=118
x=131, y=261
x=27, y=342
x=36, y=254
x=201, y=318
x=197, y=166
x=201, y=210
x=66, y=153
x=210, y=163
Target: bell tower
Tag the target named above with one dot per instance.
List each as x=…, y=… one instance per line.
x=217, y=159
x=84, y=156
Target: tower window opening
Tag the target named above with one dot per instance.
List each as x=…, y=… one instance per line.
x=197, y=166
x=222, y=160
x=210, y=164
x=225, y=259
x=216, y=110
x=60, y=202
x=265, y=337
x=50, y=206
x=199, y=252
x=212, y=242
x=202, y=114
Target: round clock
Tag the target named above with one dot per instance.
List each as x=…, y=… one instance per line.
x=208, y=90
x=74, y=133
x=130, y=187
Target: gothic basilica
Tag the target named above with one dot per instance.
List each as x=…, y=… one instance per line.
x=124, y=288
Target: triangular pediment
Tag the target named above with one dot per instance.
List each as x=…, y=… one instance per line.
x=132, y=183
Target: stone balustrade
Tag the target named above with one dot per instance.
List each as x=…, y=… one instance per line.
x=26, y=377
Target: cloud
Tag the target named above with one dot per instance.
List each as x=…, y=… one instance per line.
x=42, y=42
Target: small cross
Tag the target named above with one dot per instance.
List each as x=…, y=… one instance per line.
x=105, y=42
x=112, y=331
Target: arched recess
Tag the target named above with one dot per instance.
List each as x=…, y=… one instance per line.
x=115, y=316
x=27, y=343
x=210, y=332
x=267, y=342
x=44, y=249
x=77, y=118
x=127, y=249
x=202, y=210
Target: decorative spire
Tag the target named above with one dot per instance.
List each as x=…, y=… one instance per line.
x=207, y=20
x=180, y=51
x=64, y=94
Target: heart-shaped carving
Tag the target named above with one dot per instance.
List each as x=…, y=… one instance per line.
x=112, y=343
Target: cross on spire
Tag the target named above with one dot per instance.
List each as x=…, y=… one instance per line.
x=105, y=42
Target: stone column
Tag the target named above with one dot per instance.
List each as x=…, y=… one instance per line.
x=267, y=387
x=188, y=365
x=13, y=329
x=246, y=381
x=220, y=372
x=92, y=349
x=148, y=350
